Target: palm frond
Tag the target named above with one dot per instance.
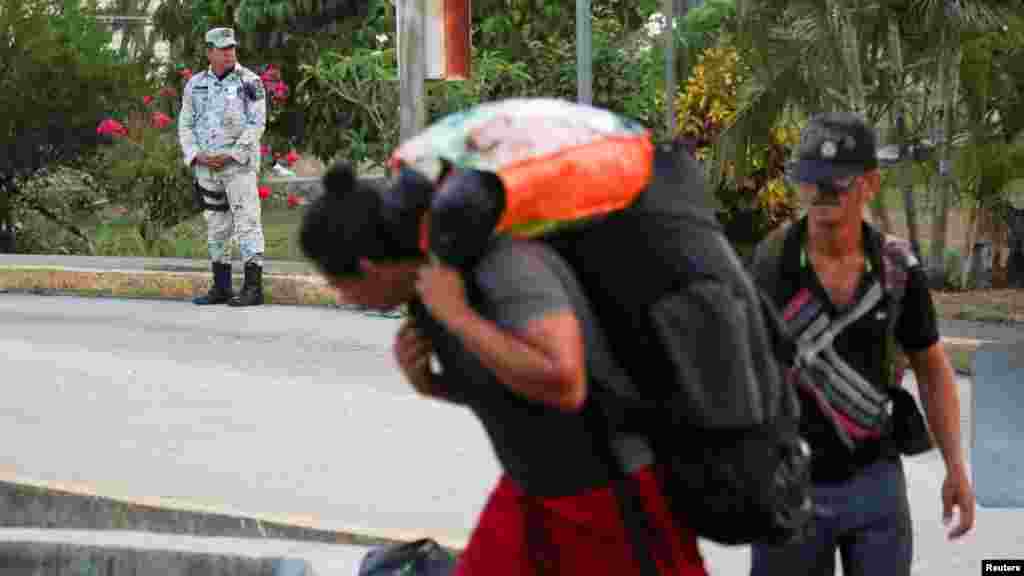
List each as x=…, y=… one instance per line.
x=760, y=109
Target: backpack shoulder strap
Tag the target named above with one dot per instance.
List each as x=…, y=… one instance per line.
x=767, y=261
x=766, y=268
x=897, y=259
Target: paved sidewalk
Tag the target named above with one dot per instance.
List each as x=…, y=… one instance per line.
x=965, y=330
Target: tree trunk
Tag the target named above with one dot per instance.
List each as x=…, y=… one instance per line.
x=1014, y=220
x=899, y=119
x=856, y=91
x=949, y=66
x=6, y=222
x=967, y=276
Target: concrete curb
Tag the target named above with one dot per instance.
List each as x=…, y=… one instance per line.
x=32, y=556
x=33, y=504
x=278, y=288
x=961, y=353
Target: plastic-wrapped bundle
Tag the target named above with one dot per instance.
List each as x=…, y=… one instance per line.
x=558, y=162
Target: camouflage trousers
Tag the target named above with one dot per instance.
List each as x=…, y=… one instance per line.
x=234, y=186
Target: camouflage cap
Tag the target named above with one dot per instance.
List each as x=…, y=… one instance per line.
x=221, y=37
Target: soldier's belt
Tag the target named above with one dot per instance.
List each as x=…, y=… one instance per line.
x=200, y=194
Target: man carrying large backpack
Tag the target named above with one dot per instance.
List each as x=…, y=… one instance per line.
x=849, y=294
x=519, y=347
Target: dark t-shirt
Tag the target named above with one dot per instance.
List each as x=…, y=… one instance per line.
x=548, y=452
x=861, y=345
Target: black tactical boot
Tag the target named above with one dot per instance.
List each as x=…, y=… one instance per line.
x=220, y=292
x=252, y=289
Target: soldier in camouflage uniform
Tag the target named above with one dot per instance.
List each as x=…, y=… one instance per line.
x=223, y=115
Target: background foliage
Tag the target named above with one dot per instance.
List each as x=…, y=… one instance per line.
x=51, y=55
x=749, y=73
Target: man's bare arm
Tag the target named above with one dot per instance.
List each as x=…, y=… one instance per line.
x=941, y=401
x=544, y=362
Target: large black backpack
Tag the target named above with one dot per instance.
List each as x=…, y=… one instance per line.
x=689, y=326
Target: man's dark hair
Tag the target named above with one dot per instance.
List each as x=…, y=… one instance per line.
x=354, y=219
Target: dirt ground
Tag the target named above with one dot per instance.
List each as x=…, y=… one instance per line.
x=998, y=304
x=983, y=305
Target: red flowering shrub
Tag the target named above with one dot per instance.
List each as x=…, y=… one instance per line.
x=291, y=158
x=111, y=127
x=144, y=165
x=161, y=120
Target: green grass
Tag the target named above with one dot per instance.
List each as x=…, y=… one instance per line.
x=119, y=236
x=961, y=361
x=280, y=230
x=994, y=312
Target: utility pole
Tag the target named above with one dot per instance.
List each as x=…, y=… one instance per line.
x=668, y=9
x=412, y=69
x=584, y=54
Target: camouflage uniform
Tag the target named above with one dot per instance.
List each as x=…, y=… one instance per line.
x=227, y=116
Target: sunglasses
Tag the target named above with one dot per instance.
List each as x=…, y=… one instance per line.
x=836, y=185
x=829, y=185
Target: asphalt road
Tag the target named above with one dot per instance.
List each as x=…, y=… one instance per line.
x=292, y=412
x=283, y=411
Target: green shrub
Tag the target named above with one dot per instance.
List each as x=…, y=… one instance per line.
x=59, y=78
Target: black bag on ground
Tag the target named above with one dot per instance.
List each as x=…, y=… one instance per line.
x=423, y=557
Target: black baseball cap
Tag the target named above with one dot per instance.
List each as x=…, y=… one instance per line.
x=835, y=145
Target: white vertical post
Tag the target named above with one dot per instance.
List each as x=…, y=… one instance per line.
x=584, y=54
x=412, y=66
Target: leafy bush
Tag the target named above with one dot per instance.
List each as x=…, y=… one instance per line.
x=752, y=206
x=354, y=99
x=350, y=94
x=142, y=170
x=59, y=77
x=494, y=77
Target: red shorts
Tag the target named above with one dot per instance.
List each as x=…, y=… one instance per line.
x=583, y=534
